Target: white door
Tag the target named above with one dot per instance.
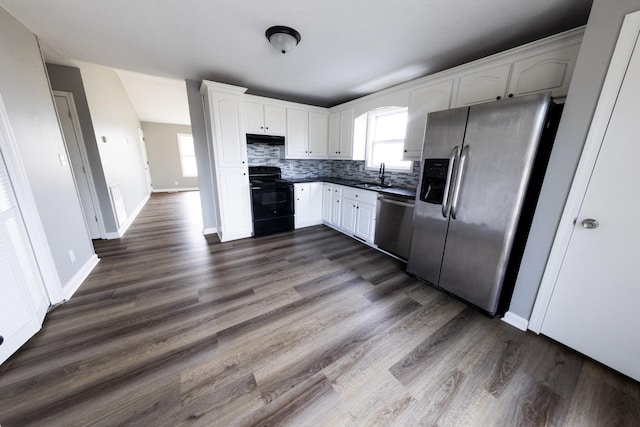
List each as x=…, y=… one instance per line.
x=79, y=166
x=23, y=299
x=594, y=304
x=145, y=160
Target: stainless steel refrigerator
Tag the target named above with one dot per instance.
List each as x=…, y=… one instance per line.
x=481, y=170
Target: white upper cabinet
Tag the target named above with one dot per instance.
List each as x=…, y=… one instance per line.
x=297, y=142
x=549, y=71
x=318, y=134
x=341, y=134
x=306, y=134
x=265, y=118
x=483, y=86
x=230, y=144
x=422, y=101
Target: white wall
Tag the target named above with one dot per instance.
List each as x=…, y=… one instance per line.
x=597, y=47
x=25, y=90
x=68, y=79
x=203, y=157
x=114, y=118
x=164, y=156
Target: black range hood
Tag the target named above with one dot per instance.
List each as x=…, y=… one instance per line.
x=253, y=138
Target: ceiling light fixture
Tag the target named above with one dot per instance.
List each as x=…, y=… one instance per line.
x=283, y=38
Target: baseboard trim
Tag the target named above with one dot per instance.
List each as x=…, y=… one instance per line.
x=208, y=231
x=516, y=321
x=72, y=285
x=174, y=190
x=120, y=233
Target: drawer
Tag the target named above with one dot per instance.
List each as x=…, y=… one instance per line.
x=365, y=196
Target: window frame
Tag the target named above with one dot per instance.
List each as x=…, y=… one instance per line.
x=180, y=138
x=370, y=142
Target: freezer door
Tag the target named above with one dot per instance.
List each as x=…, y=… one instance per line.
x=497, y=158
x=444, y=132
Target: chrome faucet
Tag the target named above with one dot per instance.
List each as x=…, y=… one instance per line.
x=381, y=173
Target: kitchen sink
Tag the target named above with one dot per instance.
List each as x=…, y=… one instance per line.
x=371, y=186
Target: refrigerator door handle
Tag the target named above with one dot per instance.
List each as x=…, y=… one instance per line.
x=458, y=183
x=453, y=162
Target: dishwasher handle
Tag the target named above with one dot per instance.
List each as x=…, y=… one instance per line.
x=395, y=202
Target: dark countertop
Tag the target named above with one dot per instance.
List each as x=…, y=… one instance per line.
x=409, y=193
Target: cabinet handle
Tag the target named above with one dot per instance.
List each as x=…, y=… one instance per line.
x=243, y=173
x=261, y=127
x=310, y=152
x=243, y=162
x=498, y=98
x=510, y=95
x=1, y=339
x=357, y=207
x=405, y=151
x=267, y=128
x=356, y=195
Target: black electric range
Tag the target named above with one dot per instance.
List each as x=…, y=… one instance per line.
x=272, y=202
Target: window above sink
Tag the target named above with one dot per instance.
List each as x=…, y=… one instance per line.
x=383, y=131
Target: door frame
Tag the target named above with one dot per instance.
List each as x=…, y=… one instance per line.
x=29, y=209
x=85, y=159
x=627, y=41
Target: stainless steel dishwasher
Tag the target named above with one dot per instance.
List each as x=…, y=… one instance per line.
x=393, y=224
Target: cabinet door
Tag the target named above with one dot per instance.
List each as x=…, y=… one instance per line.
x=548, y=72
x=297, y=143
x=421, y=102
x=327, y=191
x=318, y=135
x=275, y=120
x=346, y=134
x=348, y=220
x=483, y=86
x=301, y=198
x=235, y=204
x=334, y=135
x=254, y=117
x=336, y=200
x=230, y=140
x=365, y=221
x=315, y=203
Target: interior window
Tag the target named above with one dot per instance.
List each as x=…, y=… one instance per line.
x=187, y=155
x=386, y=128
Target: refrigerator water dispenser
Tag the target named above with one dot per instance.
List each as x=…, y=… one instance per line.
x=434, y=178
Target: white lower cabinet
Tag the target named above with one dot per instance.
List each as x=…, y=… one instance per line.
x=331, y=204
x=365, y=221
x=308, y=204
x=235, y=201
x=358, y=213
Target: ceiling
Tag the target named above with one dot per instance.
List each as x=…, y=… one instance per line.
x=349, y=48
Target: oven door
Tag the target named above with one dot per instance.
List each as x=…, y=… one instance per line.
x=272, y=208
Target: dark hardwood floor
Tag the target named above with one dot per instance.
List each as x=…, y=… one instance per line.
x=303, y=328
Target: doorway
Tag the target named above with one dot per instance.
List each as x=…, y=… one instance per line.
x=76, y=150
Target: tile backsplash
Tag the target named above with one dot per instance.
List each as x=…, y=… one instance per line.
x=269, y=155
